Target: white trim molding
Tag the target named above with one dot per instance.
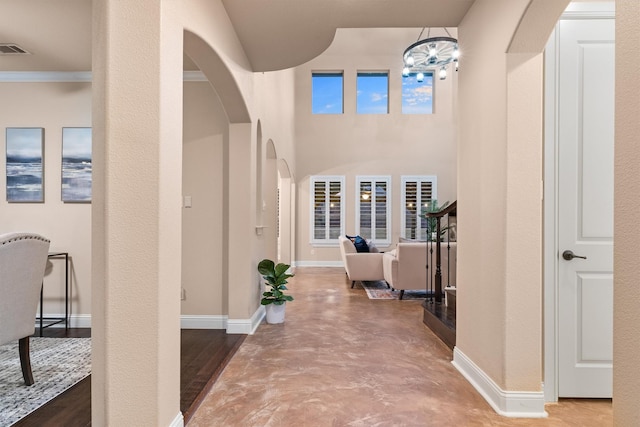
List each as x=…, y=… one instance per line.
x=44, y=76
x=515, y=404
x=178, y=421
x=575, y=10
x=590, y=10
x=194, y=76
x=246, y=326
x=191, y=321
x=73, y=76
x=318, y=264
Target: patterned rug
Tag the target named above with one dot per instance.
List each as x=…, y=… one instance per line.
x=56, y=363
x=379, y=290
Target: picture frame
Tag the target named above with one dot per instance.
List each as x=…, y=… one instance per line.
x=25, y=164
x=76, y=180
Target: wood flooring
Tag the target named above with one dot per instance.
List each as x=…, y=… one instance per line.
x=204, y=354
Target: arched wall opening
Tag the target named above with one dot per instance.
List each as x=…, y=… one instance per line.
x=204, y=296
x=499, y=209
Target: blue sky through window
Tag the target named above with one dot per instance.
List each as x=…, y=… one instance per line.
x=326, y=97
x=417, y=97
x=373, y=93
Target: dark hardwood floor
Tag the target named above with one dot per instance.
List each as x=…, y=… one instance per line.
x=204, y=354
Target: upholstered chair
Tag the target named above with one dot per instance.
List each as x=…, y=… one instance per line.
x=23, y=258
x=405, y=267
x=360, y=266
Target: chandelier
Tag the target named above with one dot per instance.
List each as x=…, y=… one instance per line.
x=430, y=54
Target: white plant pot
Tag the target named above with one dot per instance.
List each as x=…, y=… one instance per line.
x=275, y=313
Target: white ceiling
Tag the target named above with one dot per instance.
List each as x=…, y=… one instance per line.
x=275, y=34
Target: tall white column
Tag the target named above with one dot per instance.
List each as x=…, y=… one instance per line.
x=136, y=214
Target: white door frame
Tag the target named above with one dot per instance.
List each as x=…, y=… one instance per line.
x=595, y=10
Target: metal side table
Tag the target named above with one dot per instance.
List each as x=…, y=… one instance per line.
x=50, y=321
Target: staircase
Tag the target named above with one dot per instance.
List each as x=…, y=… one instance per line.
x=440, y=312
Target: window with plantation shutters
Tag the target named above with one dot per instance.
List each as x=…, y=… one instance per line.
x=417, y=192
x=373, y=208
x=327, y=209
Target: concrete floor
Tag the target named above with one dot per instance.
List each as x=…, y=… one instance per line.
x=341, y=359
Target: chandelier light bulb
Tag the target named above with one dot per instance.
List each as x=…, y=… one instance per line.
x=456, y=53
x=432, y=50
x=405, y=71
x=443, y=73
x=420, y=77
x=410, y=61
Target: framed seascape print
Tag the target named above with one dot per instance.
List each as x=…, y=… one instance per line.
x=25, y=164
x=76, y=164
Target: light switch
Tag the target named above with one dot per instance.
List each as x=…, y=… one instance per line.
x=187, y=201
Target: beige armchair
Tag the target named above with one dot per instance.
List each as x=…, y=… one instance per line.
x=360, y=265
x=23, y=258
x=405, y=267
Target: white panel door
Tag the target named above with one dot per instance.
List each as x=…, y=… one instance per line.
x=585, y=207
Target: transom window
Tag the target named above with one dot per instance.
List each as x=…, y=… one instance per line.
x=327, y=209
x=417, y=96
x=326, y=92
x=373, y=208
x=417, y=192
x=372, y=93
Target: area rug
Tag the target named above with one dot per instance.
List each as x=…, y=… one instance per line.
x=56, y=363
x=379, y=290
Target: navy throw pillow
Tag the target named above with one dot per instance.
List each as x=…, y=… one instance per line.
x=359, y=243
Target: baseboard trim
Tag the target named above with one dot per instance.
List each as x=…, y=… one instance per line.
x=515, y=404
x=75, y=321
x=178, y=421
x=191, y=321
x=188, y=321
x=318, y=264
x=246, y=326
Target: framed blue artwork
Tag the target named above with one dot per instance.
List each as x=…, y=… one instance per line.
x=25, y=164
x=76, y=164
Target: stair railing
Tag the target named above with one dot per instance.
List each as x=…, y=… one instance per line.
x=434, y=284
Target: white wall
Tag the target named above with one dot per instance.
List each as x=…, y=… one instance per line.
x=353, y=144
x=51, y=106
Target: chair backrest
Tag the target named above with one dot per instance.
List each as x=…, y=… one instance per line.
x=23, y=259
x=346, y=245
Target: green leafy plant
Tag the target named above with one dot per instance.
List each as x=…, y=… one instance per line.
x=276, y=277
x=432, y=223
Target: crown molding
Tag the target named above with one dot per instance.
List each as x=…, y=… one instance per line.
x=71, y=76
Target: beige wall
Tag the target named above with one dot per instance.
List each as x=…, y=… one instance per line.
x=358, y=144
x=68, y=225
x=626, y=342
x=51, y=106
x=499, y=217
x=205, y=130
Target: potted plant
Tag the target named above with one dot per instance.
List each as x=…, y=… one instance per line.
x=432, y=207
x=274, y=298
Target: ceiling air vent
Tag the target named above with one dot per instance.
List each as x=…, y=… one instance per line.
x=12, y=49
